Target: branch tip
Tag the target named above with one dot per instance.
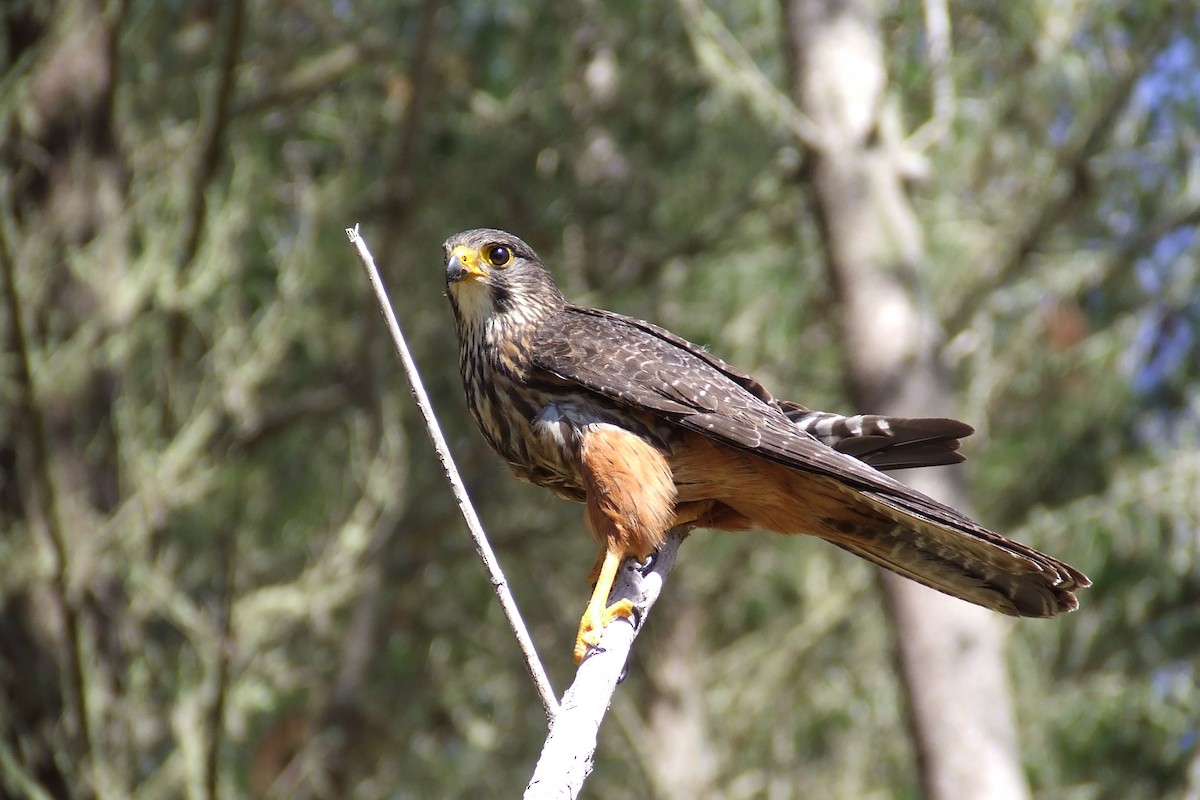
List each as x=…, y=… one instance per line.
x=482, y=546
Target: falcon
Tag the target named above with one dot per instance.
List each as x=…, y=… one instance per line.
x=650, y=431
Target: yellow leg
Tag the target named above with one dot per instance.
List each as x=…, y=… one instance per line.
x=594, y=572
x=603, y=573
x=598, y=614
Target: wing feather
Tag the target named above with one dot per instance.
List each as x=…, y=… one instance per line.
x=649, y=369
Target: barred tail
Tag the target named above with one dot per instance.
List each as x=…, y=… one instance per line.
x=884, y=442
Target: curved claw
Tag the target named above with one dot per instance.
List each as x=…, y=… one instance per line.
x=592, y=626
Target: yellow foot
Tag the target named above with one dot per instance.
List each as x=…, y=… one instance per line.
x=592, y=626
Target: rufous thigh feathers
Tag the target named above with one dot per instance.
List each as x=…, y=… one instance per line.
x=630, y=506
x=630, y=494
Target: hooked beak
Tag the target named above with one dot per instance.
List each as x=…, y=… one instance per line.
x=463, y=264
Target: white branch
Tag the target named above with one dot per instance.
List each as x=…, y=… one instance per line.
x=495, y=575
x=566, y=758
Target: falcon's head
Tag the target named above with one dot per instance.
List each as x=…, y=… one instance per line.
x=494, y=277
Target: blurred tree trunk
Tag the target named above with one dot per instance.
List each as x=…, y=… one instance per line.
x=681, y=756
x=66, y=190
x=949, y=653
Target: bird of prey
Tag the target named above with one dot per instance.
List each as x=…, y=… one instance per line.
x=650, y=431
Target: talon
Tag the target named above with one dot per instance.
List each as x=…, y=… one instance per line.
x=646, y=565
x=635, y=618
x=592, y=626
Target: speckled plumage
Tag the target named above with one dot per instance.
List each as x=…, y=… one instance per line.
x=542, y=375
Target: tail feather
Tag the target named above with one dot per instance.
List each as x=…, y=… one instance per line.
x=884, y=442
x=899, y=529
x=963, y=559
x=917, y=537
x=1020, y=584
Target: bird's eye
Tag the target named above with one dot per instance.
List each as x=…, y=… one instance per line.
x=498, y=255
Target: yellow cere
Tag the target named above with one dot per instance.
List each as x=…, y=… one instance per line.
x=469, y=258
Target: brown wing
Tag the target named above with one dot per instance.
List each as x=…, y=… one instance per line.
x=648, y=368
x=882, y=442
x=643, y=367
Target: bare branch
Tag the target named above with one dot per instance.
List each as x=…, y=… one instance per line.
x=722, y=57
x=212, y=135
x=937, y=34
x=1066, y=181
x=213, y=132
x=1192, y=791
x=214, y=722
x=495, y=575
x=566, y=758
x=398, y=162
x=323, y=73
x=18, y=777
x=1181, y=215
x=47, y=521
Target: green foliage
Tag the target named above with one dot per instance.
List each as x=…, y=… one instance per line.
x=250, y=511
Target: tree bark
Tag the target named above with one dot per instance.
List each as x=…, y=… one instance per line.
x=949, y=653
